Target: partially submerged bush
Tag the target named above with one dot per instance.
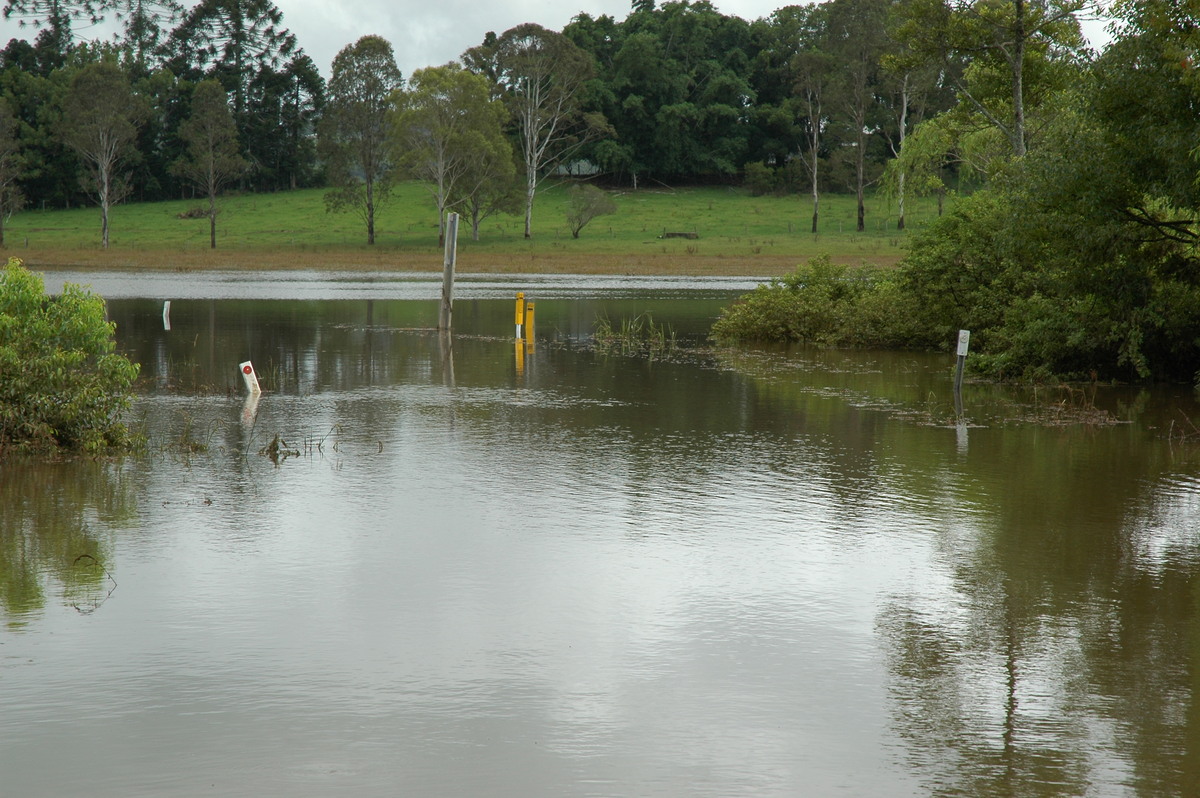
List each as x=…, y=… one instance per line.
x=824, y=303
x=62, y=386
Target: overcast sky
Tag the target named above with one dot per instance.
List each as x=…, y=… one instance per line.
x=431, y=32
x=422, y=32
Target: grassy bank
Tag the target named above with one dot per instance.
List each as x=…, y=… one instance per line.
x=736, y=235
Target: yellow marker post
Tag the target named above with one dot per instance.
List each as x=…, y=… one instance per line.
x=528, y=321
x=519, y=351
x=520, y=312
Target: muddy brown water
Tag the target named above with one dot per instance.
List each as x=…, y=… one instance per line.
x=478, y=568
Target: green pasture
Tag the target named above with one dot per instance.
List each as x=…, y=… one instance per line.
x=728, y=223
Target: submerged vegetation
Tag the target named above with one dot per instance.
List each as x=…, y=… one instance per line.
x=638, y=336
x=830, y=304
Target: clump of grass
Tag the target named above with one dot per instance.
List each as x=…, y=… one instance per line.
x=187, y=442
x=278, y=450
x=638, y=336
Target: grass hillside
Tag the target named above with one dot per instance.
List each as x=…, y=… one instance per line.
x=737, y=235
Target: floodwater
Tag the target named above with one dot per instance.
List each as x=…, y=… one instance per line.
x=456, y=567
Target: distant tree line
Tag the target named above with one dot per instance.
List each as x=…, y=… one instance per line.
x=812, y=98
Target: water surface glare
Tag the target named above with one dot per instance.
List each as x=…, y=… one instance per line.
x=477, y=568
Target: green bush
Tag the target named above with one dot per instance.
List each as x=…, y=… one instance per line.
x=62, y=386
x=759, y=178
x=824, y=303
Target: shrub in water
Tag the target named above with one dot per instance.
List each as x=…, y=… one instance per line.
x=62, y=386
x=824, y=303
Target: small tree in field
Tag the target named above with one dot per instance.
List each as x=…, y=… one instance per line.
x=212, y=159
x=64, y=386
x=100, y=120
x=585, y=203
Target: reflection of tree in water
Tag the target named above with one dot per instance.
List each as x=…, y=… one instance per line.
x=48, y=516
x=1056, y=660
x=986, y=699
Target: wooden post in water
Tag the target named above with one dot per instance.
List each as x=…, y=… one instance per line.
x=964, y=342
x=448, y=271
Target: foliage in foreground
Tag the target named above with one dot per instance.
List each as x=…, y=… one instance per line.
x=62, y=386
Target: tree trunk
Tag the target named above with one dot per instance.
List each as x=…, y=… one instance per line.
x=1017, y=63
x=370, y=213
x=530, y=190
x=816, y=196
x=900, y=181
x=212, y=221
x=862, y=208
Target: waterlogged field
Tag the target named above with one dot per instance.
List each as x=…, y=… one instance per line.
x=472, y=565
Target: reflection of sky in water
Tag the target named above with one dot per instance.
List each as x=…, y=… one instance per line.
x=385, y=285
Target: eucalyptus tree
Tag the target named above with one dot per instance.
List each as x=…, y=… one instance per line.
x=542, y=76
x=490, y=185
x=355, y=130
x=212, y=159
x=912, y=89
x=100, y=118
x=1002, y=41
x=815, y=70
x=856, y=36
x=445, y=122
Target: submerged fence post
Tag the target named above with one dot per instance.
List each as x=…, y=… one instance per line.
x=167, y=315
x=444, y=318
x=964, y=341
x=250, y=378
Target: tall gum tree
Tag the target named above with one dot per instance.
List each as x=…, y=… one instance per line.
x=815, y=69
x=857, y=37
x=541, y=75
x=998, y=36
